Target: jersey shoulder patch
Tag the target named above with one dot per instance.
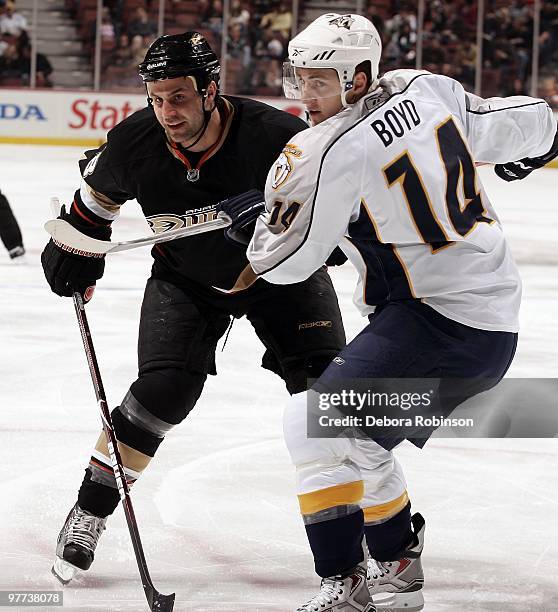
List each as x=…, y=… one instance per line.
x=284, y=165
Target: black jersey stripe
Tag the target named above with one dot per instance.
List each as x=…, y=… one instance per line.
x=495, y=110
x=84, y=214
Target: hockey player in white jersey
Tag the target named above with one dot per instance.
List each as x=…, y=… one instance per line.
x=387, y=173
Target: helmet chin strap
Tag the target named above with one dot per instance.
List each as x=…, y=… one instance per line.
x=206, y=118
x=346, y=87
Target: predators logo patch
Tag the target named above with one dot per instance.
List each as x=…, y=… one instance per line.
x=344, y=21
x=284, y=165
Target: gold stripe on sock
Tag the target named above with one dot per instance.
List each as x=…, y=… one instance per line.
x=338, y=495
x=383, y=512
x=131, y=458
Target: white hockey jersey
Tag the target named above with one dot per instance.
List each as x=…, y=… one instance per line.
x=392, y=181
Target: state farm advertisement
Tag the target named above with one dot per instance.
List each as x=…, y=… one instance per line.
x=70, y=117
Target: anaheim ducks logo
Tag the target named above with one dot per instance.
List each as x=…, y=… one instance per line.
x=343, y=21
x=284, y=165
x=166, y=223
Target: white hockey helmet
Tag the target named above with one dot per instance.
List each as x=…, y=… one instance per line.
x=335, y=41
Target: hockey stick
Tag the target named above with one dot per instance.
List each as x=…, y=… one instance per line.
x=68, y=236
x=157, y=601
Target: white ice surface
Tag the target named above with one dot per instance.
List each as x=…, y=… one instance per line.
x=216, y=509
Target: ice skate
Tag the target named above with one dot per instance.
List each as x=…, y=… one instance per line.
x=76, y=544
x=347, y=594
x=397, y=585
x=17, y=255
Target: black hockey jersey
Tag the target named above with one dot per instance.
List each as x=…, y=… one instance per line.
x=138, y=161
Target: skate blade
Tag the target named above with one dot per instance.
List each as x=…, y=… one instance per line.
x=19, y=261
x=63, y=570
x=399, y=602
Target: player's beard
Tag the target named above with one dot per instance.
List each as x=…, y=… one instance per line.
x=187, y=132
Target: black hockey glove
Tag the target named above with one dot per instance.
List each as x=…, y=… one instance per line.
x=243, y=210
x=337, y=258
x=513, y=171
x=67, y=272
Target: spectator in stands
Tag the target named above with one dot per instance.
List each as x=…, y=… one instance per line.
x=44, y=68
x=9, y=63
x=499, y=53
x=405, y=39
x=465, y=64
x=437, y=14
x=519, y=10
x=123, y=55
x=237, y=44
x=239, y=15
x=516, y=88
x=11, y=22
x=139, y=45
x=203, y=7
x=269, y=52
x=108, y=28
x=519, y=34
x=547, y=44
x=116, y=8
x=279, y=20
x=468, y=16
x=391, y=53
x=549, y=22
x=213, y=17
x=240, y=57
x=433, y=55
x=404, y=18
x=141, y=24
x=373, y=13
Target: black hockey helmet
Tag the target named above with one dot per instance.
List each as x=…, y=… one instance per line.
x=187, y=54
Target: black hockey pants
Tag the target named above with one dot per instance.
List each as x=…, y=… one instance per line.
x=9, y=229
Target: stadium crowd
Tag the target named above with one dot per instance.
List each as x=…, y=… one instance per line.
x=449, y=42
x=259, y=30
x=15, y=50
x=258, y=34
x=257, y=37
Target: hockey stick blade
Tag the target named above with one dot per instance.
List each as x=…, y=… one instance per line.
x=70, y=237
x=162, y=603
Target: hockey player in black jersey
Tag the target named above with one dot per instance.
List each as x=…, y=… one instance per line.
x=189, y=149
x=10, y=234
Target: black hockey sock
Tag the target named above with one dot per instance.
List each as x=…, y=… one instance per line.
x=336, y=544
x=388, y=541
x=97, y=498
